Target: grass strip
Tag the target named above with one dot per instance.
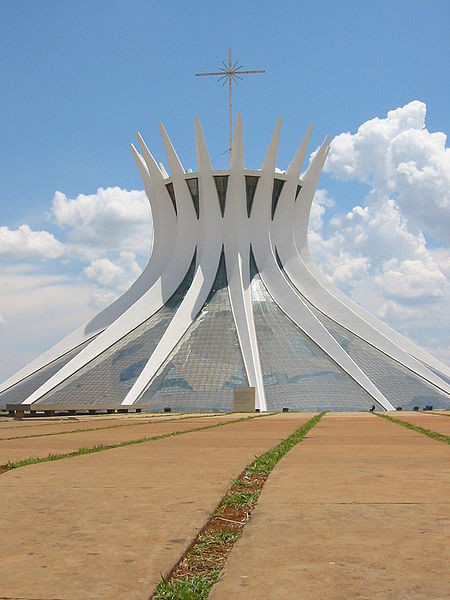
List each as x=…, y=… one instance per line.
x=201, y=565
x=82, y=430
x=440, y=437
x=34, y=460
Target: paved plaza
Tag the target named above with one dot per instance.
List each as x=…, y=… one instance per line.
x=359, y=509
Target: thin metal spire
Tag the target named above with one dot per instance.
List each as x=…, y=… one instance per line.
x=231, y=72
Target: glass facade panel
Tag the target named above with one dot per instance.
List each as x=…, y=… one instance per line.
x=221, y=182
x=107, y=379
x=438, y=373
x=193, y=189
x=171, y=191
x=297, y=373
x=206, y=364
x=21, y=390
x=276, y=191
x=250, y=188
x=397, y=383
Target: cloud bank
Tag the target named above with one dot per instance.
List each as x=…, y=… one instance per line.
x=399, y=158
x=378, y=251
x=25, y=244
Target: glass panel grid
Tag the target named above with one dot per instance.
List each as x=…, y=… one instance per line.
x=21, y=390
x=297, y=373
x=397, y=383
x=107, y=379
x=206, y=364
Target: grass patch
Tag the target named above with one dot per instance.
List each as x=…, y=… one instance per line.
x=203, y=561
x=440, y=437
x=234, y=498
x=193, y=588
x=33, y=460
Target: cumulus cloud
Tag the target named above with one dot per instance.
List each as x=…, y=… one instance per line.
x=378, y=252
x=400, y=159
x=111, y=219
x=105, y=236
x=372, y=255
x=24, y=244
x=111, y=277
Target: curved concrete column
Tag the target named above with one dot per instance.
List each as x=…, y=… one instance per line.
x=161, y=252
x=237, y=255
x=179, y=259
x=279, y=288
x=208, y=251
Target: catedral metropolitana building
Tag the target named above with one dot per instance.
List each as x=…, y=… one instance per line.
x=231, y=299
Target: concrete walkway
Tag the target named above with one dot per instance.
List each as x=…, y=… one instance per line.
x=106, y=525
x=17, y=449
x=34, y=426
x=427, y=421
x=359, y=509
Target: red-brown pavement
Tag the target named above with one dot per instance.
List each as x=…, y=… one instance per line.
x=21, y=448
x=36, y=426
x=359, y=509
x=106, y=525
x=427, y=421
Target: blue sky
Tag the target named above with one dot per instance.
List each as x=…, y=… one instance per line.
x=79, y=78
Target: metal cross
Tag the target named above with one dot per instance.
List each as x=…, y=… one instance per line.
x=231, y=72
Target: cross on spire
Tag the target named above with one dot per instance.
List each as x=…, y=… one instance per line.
x=231, y=72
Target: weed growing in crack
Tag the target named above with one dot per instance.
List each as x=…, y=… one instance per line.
x=187, y=588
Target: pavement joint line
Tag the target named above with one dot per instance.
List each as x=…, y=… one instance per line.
x=440, y=437
x=80, y=430
x=202, y=563
x=34, y=460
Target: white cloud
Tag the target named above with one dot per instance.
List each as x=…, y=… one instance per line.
x=374, y=258
x=112, y=278
x=24, y=244
x=113, y=219
x=39, y=310
x=400, y=159
x=377, y=252
x=103, y=234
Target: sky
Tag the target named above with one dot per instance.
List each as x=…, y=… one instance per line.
x=78, y=79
